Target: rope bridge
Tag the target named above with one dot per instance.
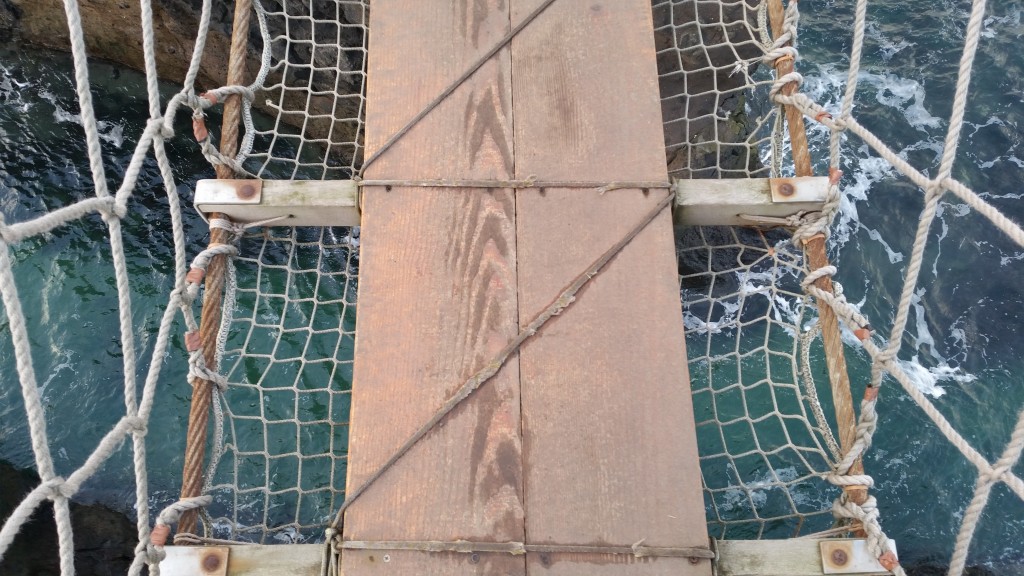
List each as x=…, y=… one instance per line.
x=281, y=371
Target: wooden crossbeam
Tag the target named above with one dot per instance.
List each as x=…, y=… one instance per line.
x=795, y=557
x=336, y=202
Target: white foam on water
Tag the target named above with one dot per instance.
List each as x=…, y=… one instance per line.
x=11, y=93
x=111, y=132
x=887, y=47
x=1010, y=25
x=727, y=321
x=927, y=379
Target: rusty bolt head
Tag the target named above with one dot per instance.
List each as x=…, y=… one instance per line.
x=211, y=562
x=839, y=557
x=786, y=189
x=247, y=191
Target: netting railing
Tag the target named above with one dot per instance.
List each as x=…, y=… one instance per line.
x=288, y=361
x=762, y=449
x=762, y=456
x=314, y=90
x=718, y=120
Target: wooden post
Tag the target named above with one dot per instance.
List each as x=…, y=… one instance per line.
x=817, y=257
x=213, y=294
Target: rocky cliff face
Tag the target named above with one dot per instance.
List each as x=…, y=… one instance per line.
x=113, y=32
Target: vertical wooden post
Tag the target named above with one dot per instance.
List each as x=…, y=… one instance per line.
x=817, y=258
x=209, y=325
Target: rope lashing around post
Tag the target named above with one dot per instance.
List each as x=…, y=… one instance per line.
x=170, y=515
x=564, y=300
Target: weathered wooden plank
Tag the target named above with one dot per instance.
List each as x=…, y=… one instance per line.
x=609, y=445
x=796, y=557
x=722, y=202
x=290, y=560
x=304, y=202
x=437, y=297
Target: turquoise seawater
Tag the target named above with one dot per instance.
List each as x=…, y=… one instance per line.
x=965, y=328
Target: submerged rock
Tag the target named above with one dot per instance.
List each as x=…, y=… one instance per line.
x=104, y=539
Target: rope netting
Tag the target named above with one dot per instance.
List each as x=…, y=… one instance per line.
x=719, y=122
x=287, y=337
x=288, y=362
x=762, y=447
x=313, y=90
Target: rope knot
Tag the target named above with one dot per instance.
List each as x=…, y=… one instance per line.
x=159, y=127
x=197, y=370
x=57, y=487
x=154, y=555
x=112, y=210
x=136, y=425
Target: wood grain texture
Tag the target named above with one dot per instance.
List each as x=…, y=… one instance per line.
x=585, y=86
x=437, y=296
x=609, y=448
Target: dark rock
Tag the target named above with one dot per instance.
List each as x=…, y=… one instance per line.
x=699, y=45
x=113, y=32
x=104, y=539
x=9, y=16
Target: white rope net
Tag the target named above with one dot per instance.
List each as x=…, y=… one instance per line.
x=289, y=327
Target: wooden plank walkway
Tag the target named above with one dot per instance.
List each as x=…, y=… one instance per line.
x=437, y=297
x=610, y=452
x=593, y=443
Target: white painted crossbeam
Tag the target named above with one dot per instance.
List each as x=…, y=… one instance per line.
x=245, y=560
x=302, y=202
x=731, y=202
x=336, y=202
x=795, y=557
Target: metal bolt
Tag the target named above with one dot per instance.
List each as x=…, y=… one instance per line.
x=211, y=562
x=786, y=189
x=839, y=557
x=247, y=191
x=474, y=558
x=387, y=558
x=694, y=560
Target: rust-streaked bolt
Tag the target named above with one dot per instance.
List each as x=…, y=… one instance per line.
x=839, y=557
x=211, y=562
x=786, y=189
x=246, y=192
